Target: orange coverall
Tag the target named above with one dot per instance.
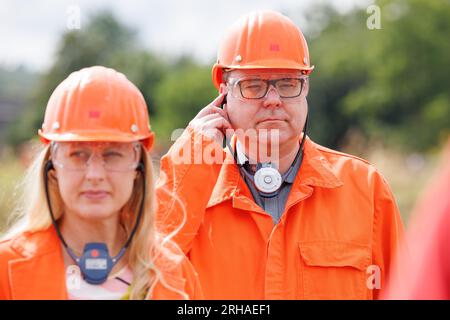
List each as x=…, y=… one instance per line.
x=340, y=223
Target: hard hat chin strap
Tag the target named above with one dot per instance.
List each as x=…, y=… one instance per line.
x=95, y=263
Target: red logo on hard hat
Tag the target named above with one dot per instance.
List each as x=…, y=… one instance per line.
x=94, y=114
x=94, y=253
x=274, y=47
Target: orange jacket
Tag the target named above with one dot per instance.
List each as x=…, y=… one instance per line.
x=32, y=267
x=340, y=220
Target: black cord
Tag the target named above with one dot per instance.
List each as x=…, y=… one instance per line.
x=123, y=281
x=304, y=133
x=141, y=169
x=49, y=166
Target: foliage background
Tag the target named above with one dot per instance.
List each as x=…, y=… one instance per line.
x=380, y=94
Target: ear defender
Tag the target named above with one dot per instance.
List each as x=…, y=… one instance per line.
x=49, y=166
x=95, y=263
x=267, y=178
x=140, y=167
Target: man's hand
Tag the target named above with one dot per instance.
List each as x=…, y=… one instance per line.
x=212, y=121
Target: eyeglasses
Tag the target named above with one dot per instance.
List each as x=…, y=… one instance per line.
x=114, y=156
x=255, y=88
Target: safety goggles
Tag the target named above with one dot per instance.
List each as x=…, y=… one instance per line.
x=114, y=156
x=257, y=88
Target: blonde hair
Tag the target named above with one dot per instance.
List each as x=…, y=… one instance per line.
x=148, y=245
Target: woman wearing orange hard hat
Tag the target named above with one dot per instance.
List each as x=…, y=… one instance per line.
x=87, y=225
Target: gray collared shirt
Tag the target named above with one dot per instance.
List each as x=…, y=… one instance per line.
x=274, y=205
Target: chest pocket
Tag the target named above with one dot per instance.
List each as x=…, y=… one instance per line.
x=333, y=270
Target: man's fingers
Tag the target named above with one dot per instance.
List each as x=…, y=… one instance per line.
x=205, y=111
x=217, y=102
x=212, y=120
x=219, y=123
x=214, y=112
x=220, y=111
x=212, y=107
x=210, y=116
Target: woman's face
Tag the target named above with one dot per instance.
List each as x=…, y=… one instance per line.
x=95, y=179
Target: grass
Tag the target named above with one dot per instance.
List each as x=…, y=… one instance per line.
x=11, y=171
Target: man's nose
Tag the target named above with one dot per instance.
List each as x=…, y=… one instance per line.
x=272, y=98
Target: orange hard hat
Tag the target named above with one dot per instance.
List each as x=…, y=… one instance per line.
x=97, y=104
x=261, y=40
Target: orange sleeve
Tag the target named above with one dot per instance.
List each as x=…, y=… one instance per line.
x=193, y=287
x=6, y=255
x=388, y=231
x=184, y=187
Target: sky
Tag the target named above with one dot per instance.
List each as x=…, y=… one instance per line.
x=30, y=30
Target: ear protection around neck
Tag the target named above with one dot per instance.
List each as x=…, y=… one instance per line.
x=267, y=178
x=95, y=263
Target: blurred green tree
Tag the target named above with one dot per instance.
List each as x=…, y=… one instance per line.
x=104, y=41
x=389, y=84
x=181, y=95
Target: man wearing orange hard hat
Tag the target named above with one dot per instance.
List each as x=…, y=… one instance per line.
x=299, y=222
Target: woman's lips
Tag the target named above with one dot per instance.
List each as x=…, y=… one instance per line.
x=95, y=195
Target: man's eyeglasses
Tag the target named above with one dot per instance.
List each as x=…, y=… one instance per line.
x=255, y=88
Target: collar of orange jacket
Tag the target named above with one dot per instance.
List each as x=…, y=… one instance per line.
x=40, y=271
x=315, y=171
